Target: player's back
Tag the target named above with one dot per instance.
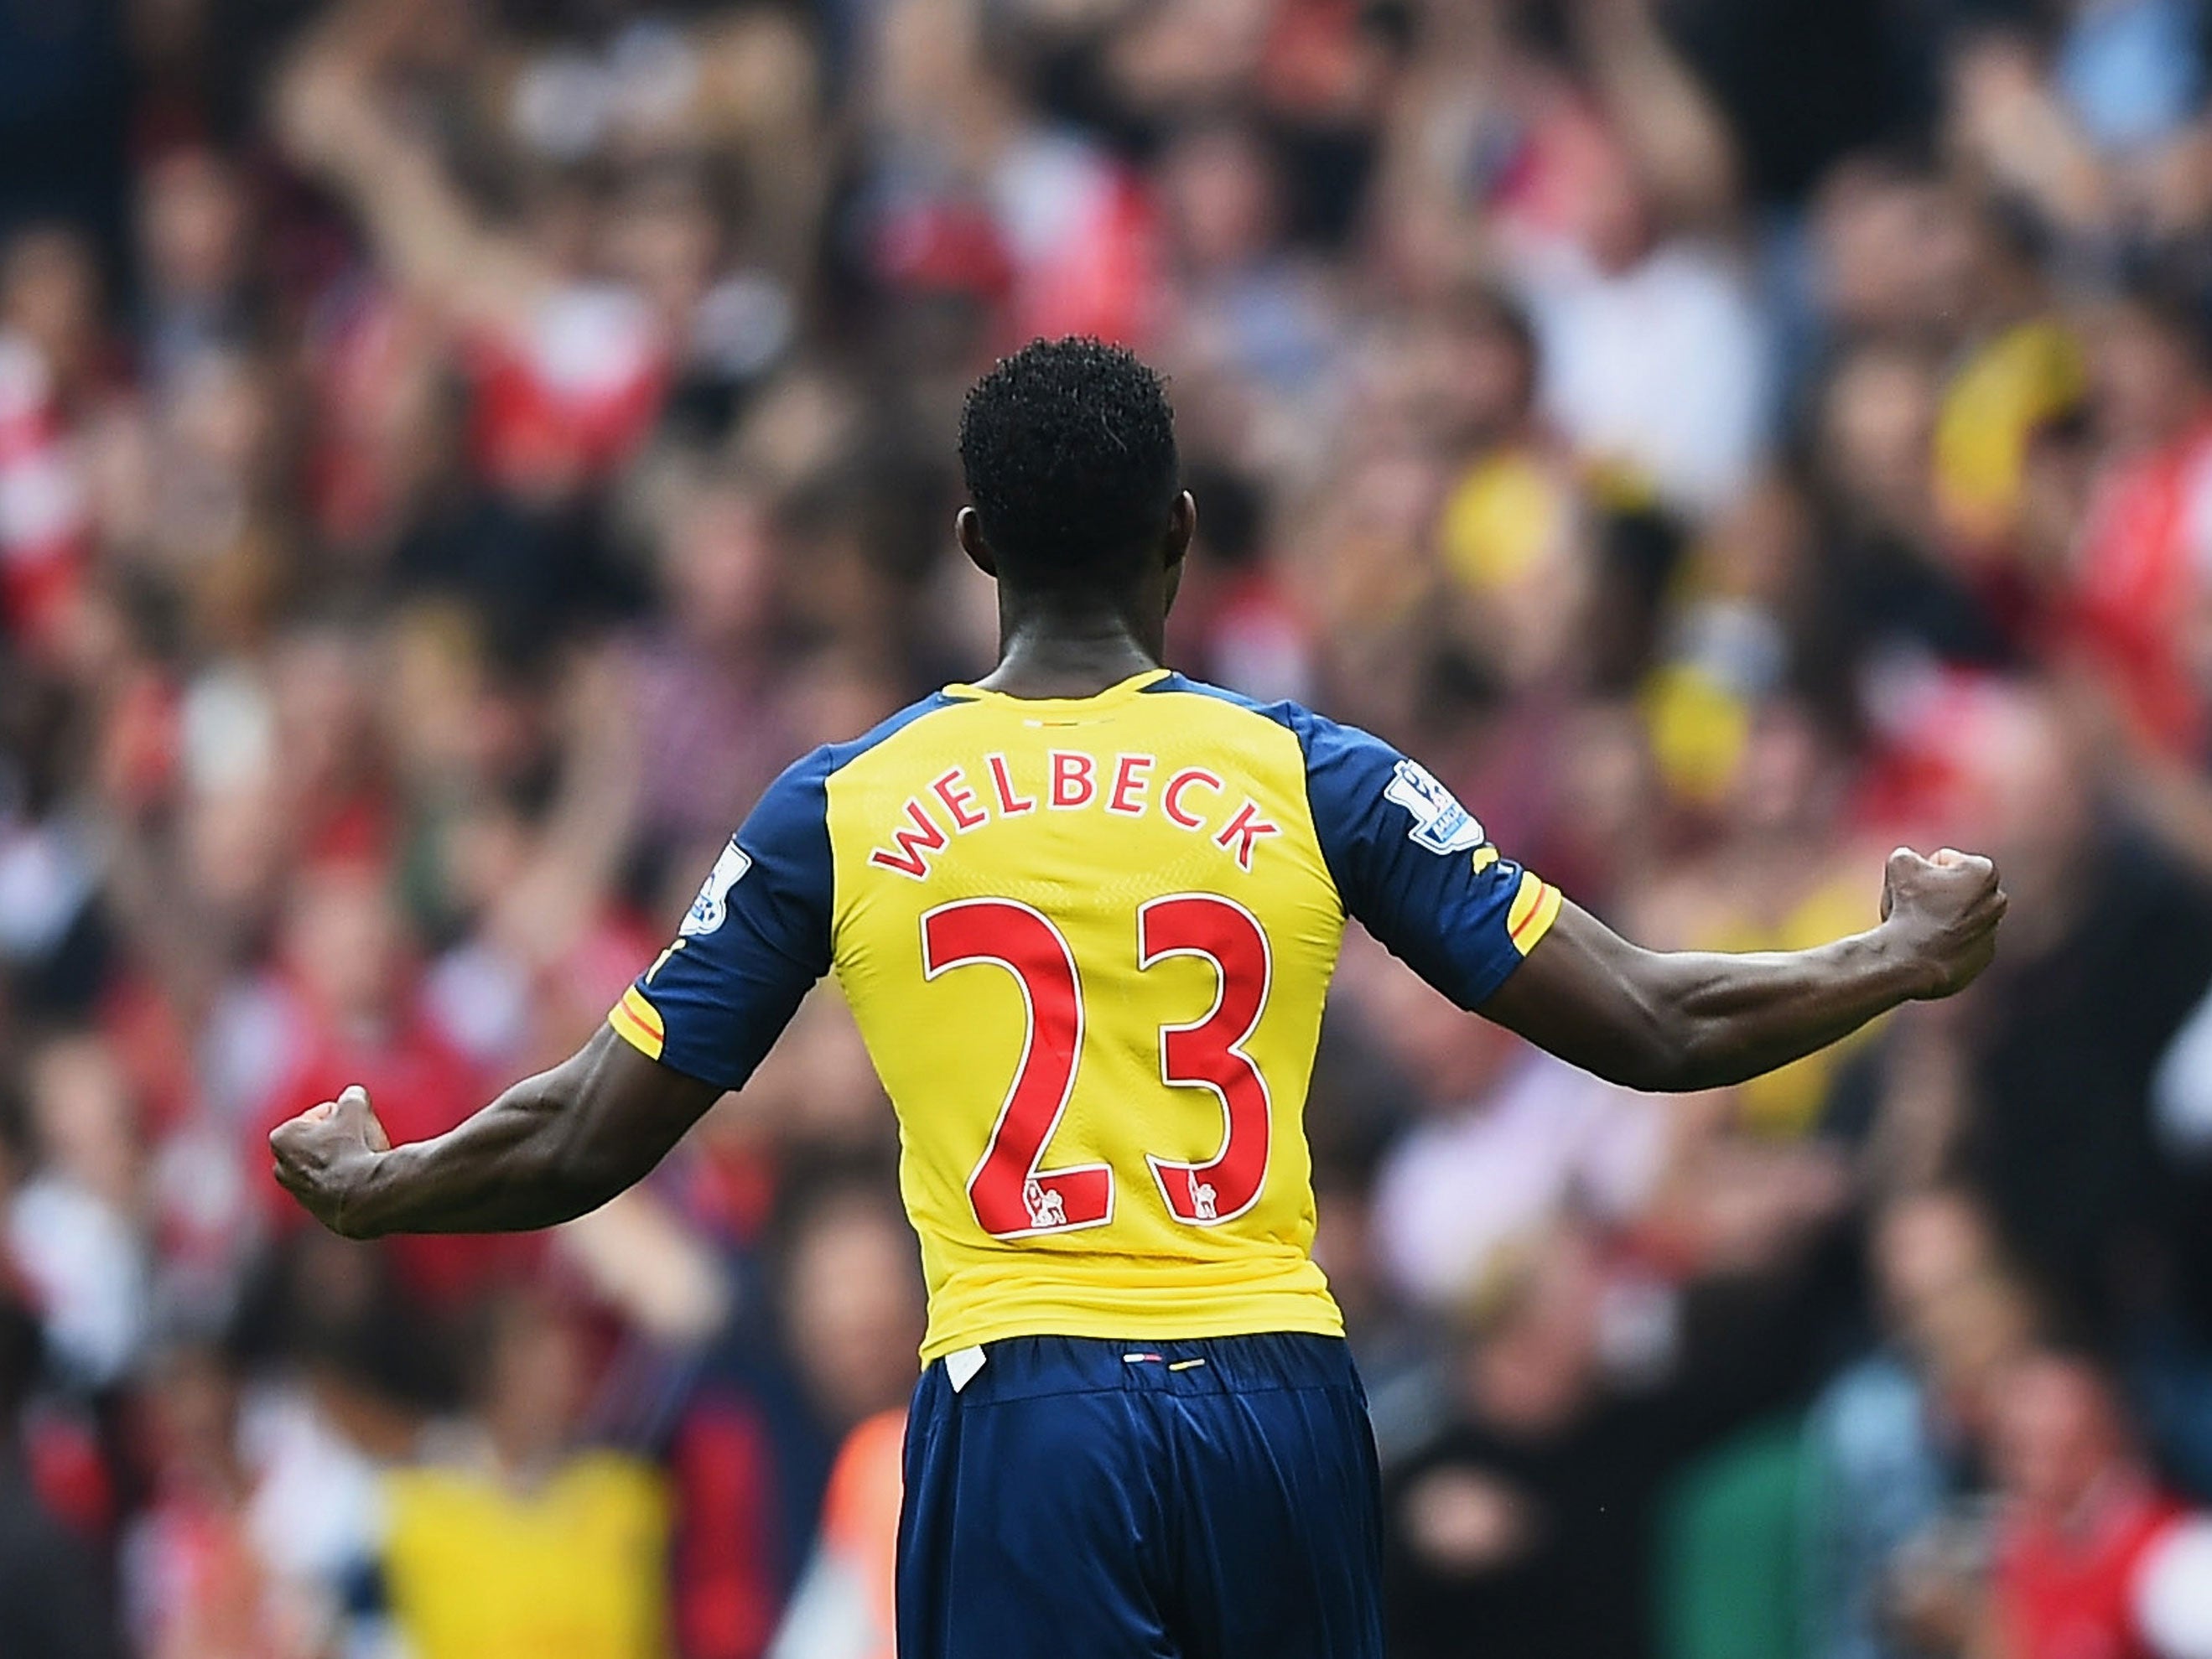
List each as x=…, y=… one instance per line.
x=1087, y=942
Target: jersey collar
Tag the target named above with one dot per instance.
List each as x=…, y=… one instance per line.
x=1115, y=693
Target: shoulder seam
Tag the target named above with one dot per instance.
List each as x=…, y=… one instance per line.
x=835, y=758
x=839, y=755
x=1292, y=717
x=1280, y=713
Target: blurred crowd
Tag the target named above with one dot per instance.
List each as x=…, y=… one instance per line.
x=452, y=455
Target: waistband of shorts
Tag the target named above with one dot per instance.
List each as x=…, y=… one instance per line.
x=1030, y=1367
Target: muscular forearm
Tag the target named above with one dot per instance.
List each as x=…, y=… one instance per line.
x=507, y=1168
x=1738, y=1016
x=551, y=1148
x=1692, y=1019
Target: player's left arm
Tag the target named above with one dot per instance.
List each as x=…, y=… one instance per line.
x=1698, y=1019
x=551, y=1148
x=1420, y=871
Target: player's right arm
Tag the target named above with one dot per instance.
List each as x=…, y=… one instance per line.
x=558, y=1145
x=1697, y=1019
x=1420, y=873
x=551, y=1148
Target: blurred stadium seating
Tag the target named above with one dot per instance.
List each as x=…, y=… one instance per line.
x=452, y=456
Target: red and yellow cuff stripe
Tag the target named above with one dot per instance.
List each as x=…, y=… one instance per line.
x=637, y=1022
x=1535, y=907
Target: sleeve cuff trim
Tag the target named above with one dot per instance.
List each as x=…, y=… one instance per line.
x=1534, y=909
x=637, y=1022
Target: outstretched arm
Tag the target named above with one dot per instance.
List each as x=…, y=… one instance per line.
x=692, y=1029
x=551, y=1149
x=1685, y=1020
x=335, y=120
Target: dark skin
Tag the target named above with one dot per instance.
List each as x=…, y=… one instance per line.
x=562, y=1143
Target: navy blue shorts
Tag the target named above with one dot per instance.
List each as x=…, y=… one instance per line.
x=1087, y=1500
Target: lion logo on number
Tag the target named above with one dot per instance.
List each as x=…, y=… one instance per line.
x=1201, y=1198
x=711, y=908
x=1440, y=823
x=1045, y=1206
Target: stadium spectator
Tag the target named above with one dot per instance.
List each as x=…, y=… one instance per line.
x=197, y=1583
x=1530, y=1512
x=518, y=1540
x=844, y=1606
x=53, y=1602
x=1892, y=1442
x=2089, y=1551
x=77, y=1227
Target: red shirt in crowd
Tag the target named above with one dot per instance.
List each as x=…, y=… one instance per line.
x=2145, y=563
x=2071, y=1593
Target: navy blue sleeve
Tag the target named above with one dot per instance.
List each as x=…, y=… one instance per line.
x=756, y=941
x=1415, y=867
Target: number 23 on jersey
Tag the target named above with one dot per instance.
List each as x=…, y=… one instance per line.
x=1011, y=1192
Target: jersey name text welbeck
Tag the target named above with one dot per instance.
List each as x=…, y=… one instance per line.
x=995, y=789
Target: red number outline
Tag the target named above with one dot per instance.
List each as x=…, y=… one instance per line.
x=1192, y=1175
x=1077, y=1180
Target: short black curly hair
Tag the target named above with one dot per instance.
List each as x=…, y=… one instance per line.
x=1069, y=450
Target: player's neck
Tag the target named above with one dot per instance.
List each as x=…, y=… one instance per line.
x=1064, y=649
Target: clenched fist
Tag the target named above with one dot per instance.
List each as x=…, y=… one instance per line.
x=1943, y=913
x=327, y=1155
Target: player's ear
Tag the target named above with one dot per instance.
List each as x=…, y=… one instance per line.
x=1182, y=522
x=969, y=528
x=1182, y=525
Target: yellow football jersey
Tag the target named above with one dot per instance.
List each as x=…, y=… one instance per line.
x=1087, y=941
x=575, y=1568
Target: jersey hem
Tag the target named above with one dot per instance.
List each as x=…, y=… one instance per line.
x=1305, y=1317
